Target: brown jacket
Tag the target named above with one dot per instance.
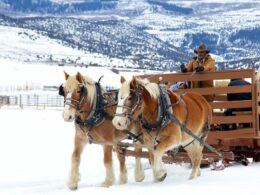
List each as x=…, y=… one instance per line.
x=209, y=65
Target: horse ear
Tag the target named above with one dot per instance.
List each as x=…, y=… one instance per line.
x=133, y=83
x=122, y=79
x=79, y=77
x=66, y=75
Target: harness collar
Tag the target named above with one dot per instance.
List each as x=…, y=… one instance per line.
x=98, y=114
x=165, y=110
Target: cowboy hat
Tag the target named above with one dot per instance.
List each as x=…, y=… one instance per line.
x=201, y=48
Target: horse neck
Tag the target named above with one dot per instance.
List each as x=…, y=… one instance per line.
x=111, y=107
x=87, y=107
x=150, y=109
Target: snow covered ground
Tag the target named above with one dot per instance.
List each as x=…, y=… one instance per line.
x=16, y=74
x=36, y=145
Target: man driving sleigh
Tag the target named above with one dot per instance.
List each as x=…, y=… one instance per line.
x=202, y=62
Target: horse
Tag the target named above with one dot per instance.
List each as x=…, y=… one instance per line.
x=92, y=108
x=140, y=100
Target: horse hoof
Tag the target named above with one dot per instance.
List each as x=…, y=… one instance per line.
x=122, y=182
x=106, y=184
x=192, y=177
x=73, y=188
x=163, y=177
x=123, y=179
x=140, y=178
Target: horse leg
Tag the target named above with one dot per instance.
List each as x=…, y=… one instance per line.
x=159, y=170
x=110, y=178
x=123, y=170
x=158, y=167
x=79, y=145
x=194, y=151
x=151, y=157
x=139, y=171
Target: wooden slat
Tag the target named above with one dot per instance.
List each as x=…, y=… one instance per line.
x=203, y=76
x=218, y=90
x=226, y=143
x=258, y=91
x=220, y=97
x=232, y=119
x=182, y=156
x=218, y=114
x=231, y=104
x=255, y=105
x=242, y=112
x=239, y=133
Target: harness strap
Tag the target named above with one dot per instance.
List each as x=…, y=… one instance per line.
x=98, y=114
x=162, y=120
x=190, y=133
x=134, y=136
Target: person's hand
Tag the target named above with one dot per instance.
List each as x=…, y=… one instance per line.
x=199, y=69
x=183, y=68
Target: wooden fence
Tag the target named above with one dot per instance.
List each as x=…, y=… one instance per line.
x=33, y=100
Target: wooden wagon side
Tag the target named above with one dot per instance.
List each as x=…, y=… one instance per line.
x=233, y=143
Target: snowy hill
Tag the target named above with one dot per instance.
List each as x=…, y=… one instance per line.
x=112, y=38
x=153, y=34
x=30, y=46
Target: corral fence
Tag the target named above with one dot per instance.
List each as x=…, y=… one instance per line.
x=41, y=101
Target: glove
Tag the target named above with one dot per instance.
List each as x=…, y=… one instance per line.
x=183, y=68
x=199, y=69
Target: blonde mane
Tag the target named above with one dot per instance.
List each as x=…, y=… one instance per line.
x=90, y=87
x=152, y=88
x=72, y=84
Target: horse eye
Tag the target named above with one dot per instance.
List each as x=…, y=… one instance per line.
x=78, y=91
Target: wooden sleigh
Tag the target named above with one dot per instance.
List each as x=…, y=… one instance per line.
x=235, y=144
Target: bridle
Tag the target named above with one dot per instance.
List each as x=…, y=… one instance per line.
x=74, y=102
x=136, y=97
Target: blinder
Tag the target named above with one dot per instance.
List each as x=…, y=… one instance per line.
x=68, y=101
x=61, y=90
x=135, y=95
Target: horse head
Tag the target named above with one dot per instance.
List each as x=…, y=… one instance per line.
x=133, y=97
x=78, y=92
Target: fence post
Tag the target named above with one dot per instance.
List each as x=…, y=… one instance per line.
x=20, y=101
x=37, y=101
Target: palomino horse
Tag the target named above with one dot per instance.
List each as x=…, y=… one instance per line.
x=140, y=100
x=86, y=102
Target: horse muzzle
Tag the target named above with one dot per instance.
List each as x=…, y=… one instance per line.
x=68, y=116
x=120, y=123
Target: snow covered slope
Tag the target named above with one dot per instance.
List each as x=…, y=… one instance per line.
x=154, y=34
x=35, y=159
x=29, y=45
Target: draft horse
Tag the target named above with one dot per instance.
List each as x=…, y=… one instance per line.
x=148, y=103
x=92, y=109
